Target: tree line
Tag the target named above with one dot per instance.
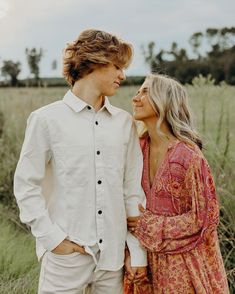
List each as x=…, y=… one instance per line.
x=10, y=70
x=213, y=53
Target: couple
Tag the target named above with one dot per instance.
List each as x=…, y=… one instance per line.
x=78, y=184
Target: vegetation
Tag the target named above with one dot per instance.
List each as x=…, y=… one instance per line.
x=34, y=57
x=61, y=82
x=11, y=70
x=218, y=60
x=19, y=268
x=213, y=53
x=213, y=106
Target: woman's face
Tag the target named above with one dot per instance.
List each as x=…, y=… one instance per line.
x=142, y=108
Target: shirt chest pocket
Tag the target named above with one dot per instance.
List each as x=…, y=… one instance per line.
x=73, y=164
x=115, y=156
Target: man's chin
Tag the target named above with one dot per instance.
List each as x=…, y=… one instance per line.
x=111, y=93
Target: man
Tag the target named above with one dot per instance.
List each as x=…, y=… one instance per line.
x=79, y=174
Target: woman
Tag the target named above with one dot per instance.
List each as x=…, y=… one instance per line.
x=179, y=226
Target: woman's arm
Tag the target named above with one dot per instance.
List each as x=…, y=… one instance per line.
x=183, y=232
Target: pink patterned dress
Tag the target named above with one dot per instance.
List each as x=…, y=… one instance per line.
x=179, y=226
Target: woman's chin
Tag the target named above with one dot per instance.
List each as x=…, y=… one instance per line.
x=137, y=116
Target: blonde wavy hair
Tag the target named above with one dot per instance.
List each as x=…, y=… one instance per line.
x=170, y=101
x=92, y=49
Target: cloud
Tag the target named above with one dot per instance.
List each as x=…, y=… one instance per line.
x=4, y=7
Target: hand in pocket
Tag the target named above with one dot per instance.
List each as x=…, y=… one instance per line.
x=67, y=247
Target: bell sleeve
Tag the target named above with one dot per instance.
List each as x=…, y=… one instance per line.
x=181, y=233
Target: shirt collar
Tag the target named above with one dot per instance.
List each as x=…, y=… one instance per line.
x=110, y=108
x=74, y=102
x=78, y=104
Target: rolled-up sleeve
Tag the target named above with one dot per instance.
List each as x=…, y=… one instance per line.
x=29, y=174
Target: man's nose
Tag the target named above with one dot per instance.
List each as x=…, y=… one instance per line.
x=122, y=75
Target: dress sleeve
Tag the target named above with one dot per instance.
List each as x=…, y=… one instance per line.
x=181, y=233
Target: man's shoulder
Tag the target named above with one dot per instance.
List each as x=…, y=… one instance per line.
x=121, y=112
x=49, y=109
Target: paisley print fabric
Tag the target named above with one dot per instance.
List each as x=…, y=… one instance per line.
x=179, y=225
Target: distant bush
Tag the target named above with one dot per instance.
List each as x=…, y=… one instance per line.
x=60, y=82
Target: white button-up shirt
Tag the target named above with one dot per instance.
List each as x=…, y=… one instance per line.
x=79, y=177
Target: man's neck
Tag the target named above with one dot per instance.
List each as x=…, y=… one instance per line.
x=86, y=90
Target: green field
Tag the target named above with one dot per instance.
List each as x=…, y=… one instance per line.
x=214, y=109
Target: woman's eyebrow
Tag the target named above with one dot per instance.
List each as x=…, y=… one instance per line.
x=145, y=89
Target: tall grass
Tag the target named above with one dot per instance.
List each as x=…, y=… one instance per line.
x=19, y=268
x=214, y=109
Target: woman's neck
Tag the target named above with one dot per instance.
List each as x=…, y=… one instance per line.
x=156, y=139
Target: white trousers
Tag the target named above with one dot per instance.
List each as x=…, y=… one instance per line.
x=77, y=274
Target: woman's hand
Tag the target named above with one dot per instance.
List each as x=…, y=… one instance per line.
x=132, y=220
x=67, y=247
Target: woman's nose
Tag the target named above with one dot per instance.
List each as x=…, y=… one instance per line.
x=136, y=99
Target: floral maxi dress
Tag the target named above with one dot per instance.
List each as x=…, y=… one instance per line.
x=179, y=225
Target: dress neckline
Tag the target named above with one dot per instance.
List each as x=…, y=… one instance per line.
x=161, y=166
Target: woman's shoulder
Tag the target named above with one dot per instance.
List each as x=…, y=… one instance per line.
x=185, y=154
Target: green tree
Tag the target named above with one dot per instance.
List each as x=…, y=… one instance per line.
x=153, y=59
x=178, y=54
x=54, y=65
x=227, y=37
x=211, y=35
x=34, y=57
x=218, y=61
x=195, y=41
x=11, y=69
x=220, y=39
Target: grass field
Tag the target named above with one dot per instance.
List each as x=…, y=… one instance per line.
x=214, y=109
x=19, y=268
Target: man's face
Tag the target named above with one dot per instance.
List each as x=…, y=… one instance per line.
x=108, y=79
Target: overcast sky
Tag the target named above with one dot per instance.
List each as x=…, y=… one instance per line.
x=50, y=24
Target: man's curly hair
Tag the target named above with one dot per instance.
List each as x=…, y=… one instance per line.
x=92, y=49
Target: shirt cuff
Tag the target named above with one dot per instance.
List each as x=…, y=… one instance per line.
x=137, y=252
x=53, y=239
x=138, y=258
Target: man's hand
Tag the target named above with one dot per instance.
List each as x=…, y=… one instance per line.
x=133, y=273
x=127, y=262
x=68, y=247
x=140, y=272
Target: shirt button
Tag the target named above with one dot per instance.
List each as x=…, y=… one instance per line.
x=98, y=152
x=99, y=182
x=96, y=123
x=88, y=107
x=100, y=240
x=100, y=211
